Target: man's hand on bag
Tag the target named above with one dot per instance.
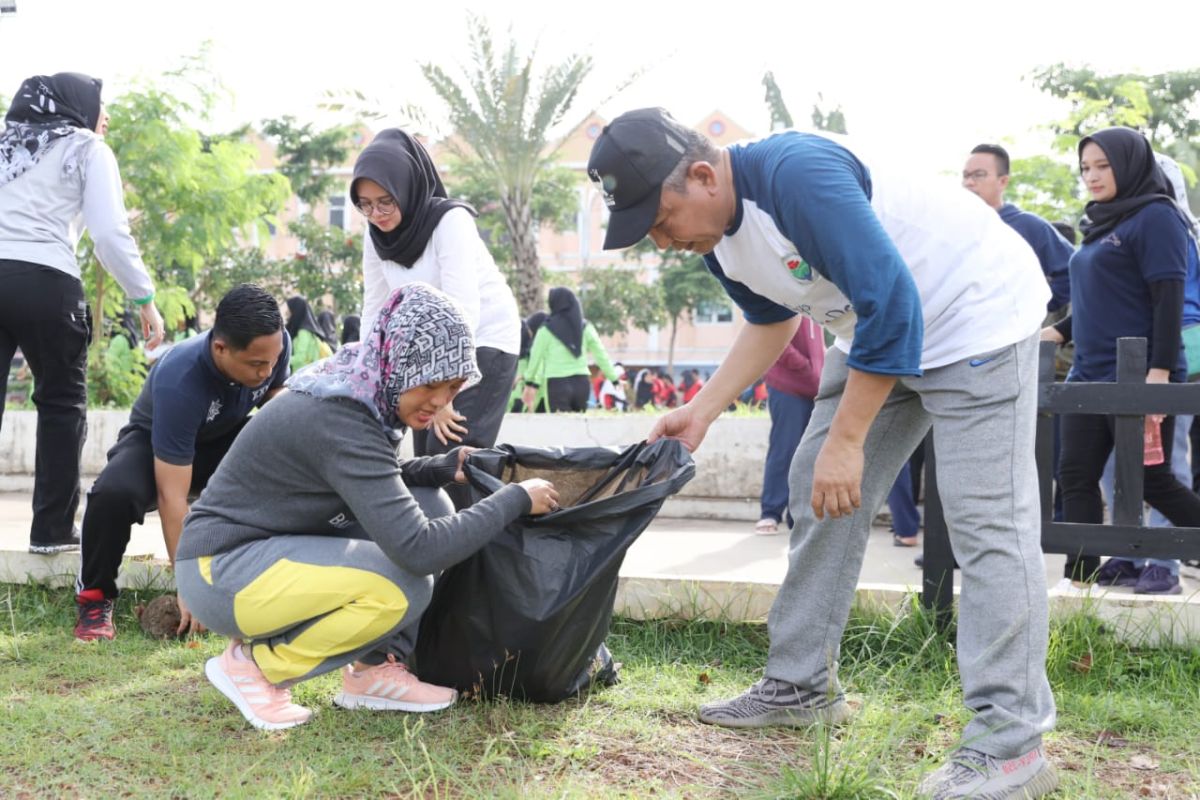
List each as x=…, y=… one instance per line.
x=542, y=494
x=686, y=424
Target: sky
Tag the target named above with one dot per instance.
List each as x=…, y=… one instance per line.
x=930, y=79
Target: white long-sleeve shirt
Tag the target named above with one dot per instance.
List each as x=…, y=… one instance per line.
x=76, y=185
x=458, y=262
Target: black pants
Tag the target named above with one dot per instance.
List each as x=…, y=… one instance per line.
x=122, y=495
x=483, y=405
x=43, y=311
x=568, y=394
x=1087, y=441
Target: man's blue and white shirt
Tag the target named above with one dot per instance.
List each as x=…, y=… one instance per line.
x=909, y=273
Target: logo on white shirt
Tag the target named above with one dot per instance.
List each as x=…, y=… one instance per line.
x=214, y=409
x=798, y=267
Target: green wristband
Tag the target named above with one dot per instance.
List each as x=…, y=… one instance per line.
x=142, y=301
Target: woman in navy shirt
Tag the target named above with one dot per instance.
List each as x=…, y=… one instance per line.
x=1127, y=279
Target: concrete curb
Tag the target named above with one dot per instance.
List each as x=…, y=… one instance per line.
x=1139, y=620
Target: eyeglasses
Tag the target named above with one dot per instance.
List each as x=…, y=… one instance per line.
x=384, y=205
x=977, y=175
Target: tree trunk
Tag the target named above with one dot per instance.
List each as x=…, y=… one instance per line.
x=671, y=348
x=98, y=305
x=518, y=217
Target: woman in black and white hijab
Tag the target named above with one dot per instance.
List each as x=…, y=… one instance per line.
x=55, y=167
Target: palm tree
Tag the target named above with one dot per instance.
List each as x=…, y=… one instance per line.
x=501, y=116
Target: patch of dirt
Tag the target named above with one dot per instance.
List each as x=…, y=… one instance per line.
x=1128, y=769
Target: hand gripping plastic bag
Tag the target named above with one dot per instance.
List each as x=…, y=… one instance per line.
x=526, y=616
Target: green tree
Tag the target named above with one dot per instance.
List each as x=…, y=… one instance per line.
x=684, y=285
x=615, y=301
x=1165, y=106
x=781, y=118
x=307, y=156
x=502, y=115
x=555, y=202
x=1046, y=186
x=191, y=197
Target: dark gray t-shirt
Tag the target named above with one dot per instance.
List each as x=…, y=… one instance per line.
x=326, y=467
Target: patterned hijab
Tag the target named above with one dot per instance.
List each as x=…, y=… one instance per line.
x=420, y=336
x=44, y=110
x=402, y=166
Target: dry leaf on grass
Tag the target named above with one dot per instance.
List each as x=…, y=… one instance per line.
x=1083, y=663
x=703, y=678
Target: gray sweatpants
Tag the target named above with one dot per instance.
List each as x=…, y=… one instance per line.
x=983, y=414
x=310, y=604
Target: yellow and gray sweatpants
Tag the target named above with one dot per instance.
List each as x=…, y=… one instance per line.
x=307, y=604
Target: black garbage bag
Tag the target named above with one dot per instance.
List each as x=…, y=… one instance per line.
x=526, y=616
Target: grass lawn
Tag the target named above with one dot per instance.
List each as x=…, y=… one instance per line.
x=135, y=718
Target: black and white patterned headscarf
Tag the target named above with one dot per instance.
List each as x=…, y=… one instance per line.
x=420, y=336
x=44, y=110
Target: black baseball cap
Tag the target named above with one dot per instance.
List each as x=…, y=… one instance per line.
x=633, y=156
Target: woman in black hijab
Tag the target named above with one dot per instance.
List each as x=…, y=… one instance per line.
x=350, y=329
x=1127, y=280
x=308, y=340
x=558, y=359
x=50, y=149
x=417, y=233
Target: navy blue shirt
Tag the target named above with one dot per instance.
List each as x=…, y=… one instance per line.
x=1053, y=251
x=1110, y=288
x=186, y=400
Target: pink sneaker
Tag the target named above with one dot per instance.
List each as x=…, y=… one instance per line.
x=266, y=706
x=391, y=687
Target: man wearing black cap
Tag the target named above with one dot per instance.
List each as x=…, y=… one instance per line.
x=936, y=305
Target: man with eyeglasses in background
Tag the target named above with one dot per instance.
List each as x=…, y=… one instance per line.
x=986, y=174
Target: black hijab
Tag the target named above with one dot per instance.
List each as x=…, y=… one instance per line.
x=328, y=326
x=529, y=328
x=350, y=329
x=300, y=318
x=1140, y=181
x=566, y=319
x=402, y=166
x=45, y=109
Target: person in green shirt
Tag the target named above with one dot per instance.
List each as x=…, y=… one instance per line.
x=308, y=340
x=558, y=360
x=516, y=402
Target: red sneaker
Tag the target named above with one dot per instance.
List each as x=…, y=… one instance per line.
x=95, y=618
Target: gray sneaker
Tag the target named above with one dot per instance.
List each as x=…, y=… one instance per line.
x=970, y=773
x=771, y=702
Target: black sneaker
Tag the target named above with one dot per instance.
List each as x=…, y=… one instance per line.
x=67, y=545
x=772, y=702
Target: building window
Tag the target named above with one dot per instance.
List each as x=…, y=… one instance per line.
x=714, y=313
x=337, y=211
x=593, y=131
x=716, y=127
